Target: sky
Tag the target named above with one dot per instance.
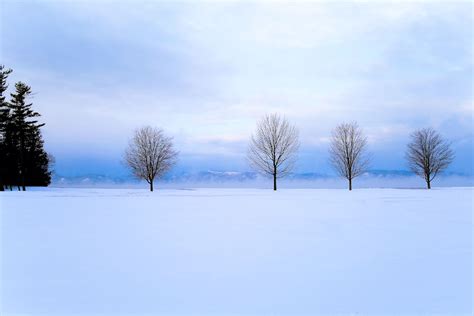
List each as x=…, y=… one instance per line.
x=206, y=72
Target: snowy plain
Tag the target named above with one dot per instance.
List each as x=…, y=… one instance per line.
x=237, y=252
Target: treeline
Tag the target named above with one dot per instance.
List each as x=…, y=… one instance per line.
x=23, y=160
x=273, y=151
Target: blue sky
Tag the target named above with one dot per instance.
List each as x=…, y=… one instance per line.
x=206, y=72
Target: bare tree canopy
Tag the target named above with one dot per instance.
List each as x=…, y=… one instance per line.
x=273, y=147
x=428, y=154
x=348, y=151
x=150, y=154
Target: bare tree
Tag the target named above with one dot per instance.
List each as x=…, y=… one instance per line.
x=348, y=151
x=273, y=147
x=150, y=154
x=428, y=154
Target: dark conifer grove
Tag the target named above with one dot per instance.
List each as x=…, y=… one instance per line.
x=23, y=160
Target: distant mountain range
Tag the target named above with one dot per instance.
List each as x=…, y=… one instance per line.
x=212, y=176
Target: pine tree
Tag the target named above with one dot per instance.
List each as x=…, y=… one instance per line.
x=4, y=121
x=36, y=160
x=30, y=157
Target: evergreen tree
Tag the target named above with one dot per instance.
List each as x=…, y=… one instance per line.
x=30, y=158
x=4, y=121
x=36, y=160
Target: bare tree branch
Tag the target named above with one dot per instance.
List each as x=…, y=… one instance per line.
x=150, y=154
x=273, y=147
x=348, y=151
x=428, y=154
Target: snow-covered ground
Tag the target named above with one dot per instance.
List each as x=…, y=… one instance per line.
x=237, y=251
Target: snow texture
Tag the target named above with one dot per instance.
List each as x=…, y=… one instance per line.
x=237, y=252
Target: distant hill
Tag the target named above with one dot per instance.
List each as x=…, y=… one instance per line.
x=227, y=178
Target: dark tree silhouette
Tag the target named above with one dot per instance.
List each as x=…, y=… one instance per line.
x=428, y=154
x=150, y=154
x=23, y=156
x=21, y=115
x=273, y=147
x=4, y=119
x=36, y=160
x=348, y=151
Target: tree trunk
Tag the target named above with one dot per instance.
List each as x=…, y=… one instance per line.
x=274, y=182
x=3, y=185
x=350, y=184
x=151, y=186
x=22, y=178
x=428, y=184
x=22, y=163
x=22, y=181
